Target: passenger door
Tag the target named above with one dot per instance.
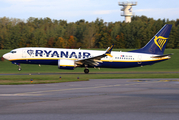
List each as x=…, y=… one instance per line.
x=24, y=52
x=139, y=59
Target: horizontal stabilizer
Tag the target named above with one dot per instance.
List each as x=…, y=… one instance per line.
x=160, y=56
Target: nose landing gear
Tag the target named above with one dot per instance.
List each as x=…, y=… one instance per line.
x=19, y=67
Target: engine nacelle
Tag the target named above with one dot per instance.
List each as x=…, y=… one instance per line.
x=66, y=64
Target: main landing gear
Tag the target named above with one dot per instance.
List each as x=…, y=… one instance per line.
x=86, y=70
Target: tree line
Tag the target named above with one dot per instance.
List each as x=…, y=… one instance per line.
x=38, y=32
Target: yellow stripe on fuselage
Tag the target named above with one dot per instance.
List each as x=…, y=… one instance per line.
x=27, y=59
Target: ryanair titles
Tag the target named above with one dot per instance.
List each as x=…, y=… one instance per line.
x=59, y=54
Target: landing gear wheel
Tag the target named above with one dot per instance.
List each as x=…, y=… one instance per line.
x=19, y=69
x=86, y=71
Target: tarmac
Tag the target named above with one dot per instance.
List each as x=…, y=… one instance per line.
x=100, y=99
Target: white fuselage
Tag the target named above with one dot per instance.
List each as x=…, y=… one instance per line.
x=50, y=56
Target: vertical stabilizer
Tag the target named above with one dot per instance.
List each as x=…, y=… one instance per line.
x=158, y=43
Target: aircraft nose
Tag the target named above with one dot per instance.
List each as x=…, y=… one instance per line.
x=6, y=56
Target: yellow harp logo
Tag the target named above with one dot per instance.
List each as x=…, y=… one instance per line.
x=160, y=41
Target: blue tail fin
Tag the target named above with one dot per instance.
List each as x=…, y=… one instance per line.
x=158, y=43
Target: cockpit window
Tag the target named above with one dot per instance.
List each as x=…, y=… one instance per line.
x=13, y=52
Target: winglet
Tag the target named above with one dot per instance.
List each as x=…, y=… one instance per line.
x=108, y=50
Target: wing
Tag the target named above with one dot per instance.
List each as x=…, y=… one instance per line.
x=94, y=61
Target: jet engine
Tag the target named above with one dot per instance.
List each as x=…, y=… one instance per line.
x=66, y=64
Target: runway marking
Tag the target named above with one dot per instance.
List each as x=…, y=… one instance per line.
x=39, y=93
x=155, y=81
x=169, y=80
x=20, y=94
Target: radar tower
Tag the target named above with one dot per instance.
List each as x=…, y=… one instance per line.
x=127, y=10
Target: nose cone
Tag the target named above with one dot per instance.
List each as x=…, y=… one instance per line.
x=6, y=56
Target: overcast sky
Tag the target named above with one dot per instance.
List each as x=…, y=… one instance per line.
x=90, y=10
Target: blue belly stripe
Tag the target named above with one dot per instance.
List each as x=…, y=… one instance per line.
x=103, y=64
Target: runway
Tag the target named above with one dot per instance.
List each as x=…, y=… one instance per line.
x=101, y=99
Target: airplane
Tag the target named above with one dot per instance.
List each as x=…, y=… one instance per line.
x=69, y=59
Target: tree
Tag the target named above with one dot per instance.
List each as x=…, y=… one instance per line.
x=50, y=42
x=43, y=32
x=89, y=36
x=120, y=41
x=71, y=42
x=39, y=39
x=60, y=43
